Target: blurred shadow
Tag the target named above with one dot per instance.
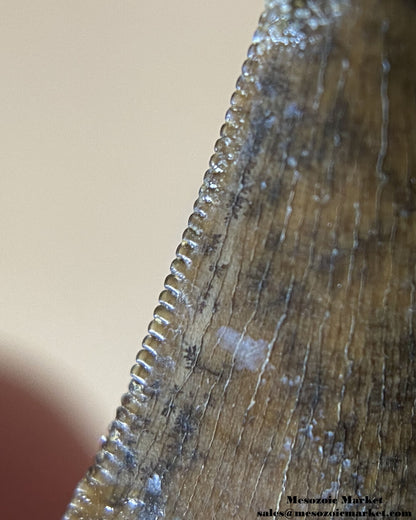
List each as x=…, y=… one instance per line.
x=41, y=457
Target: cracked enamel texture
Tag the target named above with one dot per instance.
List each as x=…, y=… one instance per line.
x=281, y=356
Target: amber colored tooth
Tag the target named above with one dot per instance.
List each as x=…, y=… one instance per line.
x=280, y=364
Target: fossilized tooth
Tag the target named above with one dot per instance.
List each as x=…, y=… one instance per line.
x=281, y=359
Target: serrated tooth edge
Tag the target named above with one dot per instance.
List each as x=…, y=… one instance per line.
x=230, y=136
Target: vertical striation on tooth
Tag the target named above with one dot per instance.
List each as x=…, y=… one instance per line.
x=281, y=357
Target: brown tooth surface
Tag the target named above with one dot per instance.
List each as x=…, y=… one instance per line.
x=281, y=359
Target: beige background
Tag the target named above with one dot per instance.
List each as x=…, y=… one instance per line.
x=109, y=114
